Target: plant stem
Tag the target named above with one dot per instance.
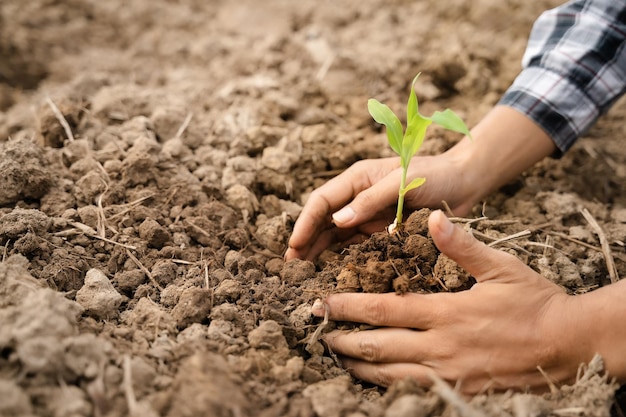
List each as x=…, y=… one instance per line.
x=401, y=193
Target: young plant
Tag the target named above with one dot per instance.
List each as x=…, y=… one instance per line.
x=407, y=143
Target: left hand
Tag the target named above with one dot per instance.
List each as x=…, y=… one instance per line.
x=494, y=335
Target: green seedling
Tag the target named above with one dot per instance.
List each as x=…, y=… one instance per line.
x=406, y=144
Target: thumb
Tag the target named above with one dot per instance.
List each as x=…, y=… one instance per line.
x=368, y=203
x=479, y=260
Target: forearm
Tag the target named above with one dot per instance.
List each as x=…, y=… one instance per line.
x=505, y=144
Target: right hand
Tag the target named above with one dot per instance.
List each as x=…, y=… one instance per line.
x=362, y=199
x=494, y=335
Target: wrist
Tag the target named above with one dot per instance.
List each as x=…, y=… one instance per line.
x=601, y=317
x=505, y=143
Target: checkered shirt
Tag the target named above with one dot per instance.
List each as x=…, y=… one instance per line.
x=574, y=68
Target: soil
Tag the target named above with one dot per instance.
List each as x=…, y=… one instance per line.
x=155, y=155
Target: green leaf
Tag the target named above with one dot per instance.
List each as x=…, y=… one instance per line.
x=412, y=107
x=417, y=182
x=449, y=120
x=382, y=114
x=414, y=137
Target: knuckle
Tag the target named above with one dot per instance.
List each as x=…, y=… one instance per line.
x=354, y=173
x=445, y=351
x=366, y=199
x=383, y=377
x=376, y=312
x=370, y=349
x=358, y=166
x=505, y=264
x=318, y=195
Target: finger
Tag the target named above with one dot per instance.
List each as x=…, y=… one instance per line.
x=312, y=249
x=385, y=345
x=325, y=238
x=385, y=374
x=323, y=241
x=303, y=251
x=293, y=253
x=481, y=261
x=315, y=217
x=370, y=201
x=415, y=311
x=347, y=237
x=355, y=239
x=312, y=222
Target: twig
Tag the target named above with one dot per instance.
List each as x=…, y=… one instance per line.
x=594, y=367
x=182, y=127
x=5, y=251
x=198, y=228
x=86, y=230
x=61, y=119
x=443, y=284
x=106, y=175
x=491, y=240
x=467, y=220
x=517, y=235
x=548, y=247
x=183, y=262
x=604, y=243
x=129, y=206
x=128, y=386
x=451, y=397
x=484, y=221
x=171, y=196
x=102, y=222
x=316, y=334
x=144, y=269
x=571, y=411
x=447, y=208
x=553, y=389
x=328, y=62
x=573, y=240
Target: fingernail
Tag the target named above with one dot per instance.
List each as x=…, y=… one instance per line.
x=446, y=225
x=318, y=308
x=344, y=215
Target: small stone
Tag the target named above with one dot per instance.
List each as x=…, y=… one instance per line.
x=229, y=289
x=296, y=271
x=155, y=234
x=269, y=335
x=193, y=306
x=242, y=198
x=98, y=296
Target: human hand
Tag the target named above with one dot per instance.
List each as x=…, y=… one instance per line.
x=359, y=200
x=362, y=199
x=494, y=335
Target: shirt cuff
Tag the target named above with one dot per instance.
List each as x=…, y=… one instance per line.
x=556, y=104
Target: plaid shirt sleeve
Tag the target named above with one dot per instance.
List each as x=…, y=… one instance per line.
x=574, y=68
